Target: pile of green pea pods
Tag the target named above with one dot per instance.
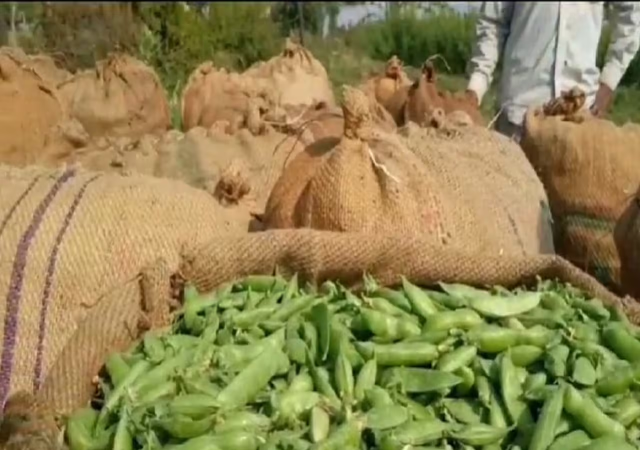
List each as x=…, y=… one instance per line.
x=263, y=364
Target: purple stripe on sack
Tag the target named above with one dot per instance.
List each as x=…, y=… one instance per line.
x=15, y=287
x=51, y=270
x=15, y=206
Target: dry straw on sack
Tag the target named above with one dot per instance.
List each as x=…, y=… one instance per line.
x=68, y=238
x=491, y=175
x=367, y=181
x=590, y=168
x=122, y=96
x=295, y=77
x=317, y=256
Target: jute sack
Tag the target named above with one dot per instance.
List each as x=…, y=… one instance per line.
x=69, y=237
x=201, y=158
x=627, y=239
x=43, y=66
x=416, y=103
x=29, y=109
x=385, y=85
x=491, y=175
x=590, y=168
x=367, y=181
x=122, y=96
x=317, y=256
x=295, y=77
x=217, y=95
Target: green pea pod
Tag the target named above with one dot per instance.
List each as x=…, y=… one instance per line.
x=554, y=302
x=343, y=375
x=583, y=372
x=571, y=441
x=255, y=377
x=421, y=303
x=79, y=431
x=389, y=327
x=462, y=319
x=446, y=301
x=510, y=387
x=416, y=380
x=117, y=368
x=623, y=343
x=435, y=337
x=537, y=335
x=346, y=436
x=183, y=427
x=321, y=319
x=339, y=339
x=236, y=357
x=525, y=355
x=322, y=381
x=193, y=406
x=378, y=397
x=296, y=306
x=291, y=290
x=395, y=297
x=161, y=390
x=497, y=307
x=416, y=433
x=493, y=339
x=296, y=350
x=613, y=442
x=302, y=382
x=587, y=414
x=270, y=299
x=479, y=434
x=544, y=431
x=535, y=381
x=460, y=357
x=400, y=354
x=366, y=379
x=252, y=317
x=464, y=411
x=311, y=338
x=468, y=378
x=262, y=283
x=592, y=308
x=386, y=417
x=543, y=317
x=627, y=411
x=585, y=332
x=617, y=380
x=462, y=291
x=556, y=361
x=319, y=424
x=385, y=306
x=416, y=409
x=289, y=406
x=243, y=420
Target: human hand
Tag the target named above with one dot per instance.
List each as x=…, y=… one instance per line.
x=603, y=101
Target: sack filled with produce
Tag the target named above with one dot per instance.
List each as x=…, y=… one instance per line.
x=627, y=239
x=368, y=181
x=489, y=173
x=295, y=77
x=303, y=359
x=383, y=86
x=68, y=238
x=590, y=169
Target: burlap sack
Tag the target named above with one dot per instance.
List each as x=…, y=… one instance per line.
x=491, y=175
x=295, y=77
x=42, y=65
x=122, y=96
x=368, y=181
x=199, y=158
x=29, y=108
x=317, y=256
x=590, y=168
x=217, y=95
x=627, y=239
x=383, y=86
x=68, y=238
x=423, y=97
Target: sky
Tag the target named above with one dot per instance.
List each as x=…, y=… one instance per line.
x=351, y=15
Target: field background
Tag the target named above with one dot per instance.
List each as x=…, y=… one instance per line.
x=175, y=38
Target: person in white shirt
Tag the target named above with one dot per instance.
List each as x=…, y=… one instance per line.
x=547, y=48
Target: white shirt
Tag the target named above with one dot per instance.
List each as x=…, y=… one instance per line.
x=549, y=47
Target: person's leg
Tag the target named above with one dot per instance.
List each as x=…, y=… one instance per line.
x=508, y=128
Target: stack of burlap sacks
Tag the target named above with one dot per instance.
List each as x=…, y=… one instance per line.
x=94, y=259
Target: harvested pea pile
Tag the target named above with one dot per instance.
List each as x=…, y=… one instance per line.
x=262, y=364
